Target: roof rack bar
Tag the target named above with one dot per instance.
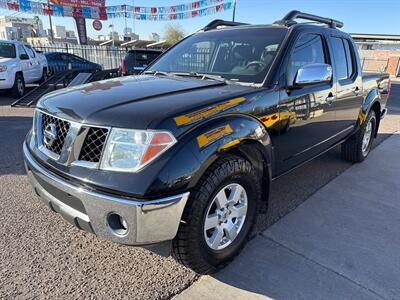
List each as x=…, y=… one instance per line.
x=295, y=14
x=216, y=23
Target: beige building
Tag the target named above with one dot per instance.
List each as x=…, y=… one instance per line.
x=17, y=28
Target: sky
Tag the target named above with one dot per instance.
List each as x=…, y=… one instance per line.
x=359, y=16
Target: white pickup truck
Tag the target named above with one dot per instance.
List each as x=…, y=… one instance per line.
x=20, y=64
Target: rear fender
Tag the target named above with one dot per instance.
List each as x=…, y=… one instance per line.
x=373, y=97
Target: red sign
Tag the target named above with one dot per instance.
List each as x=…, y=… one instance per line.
x=80, y=3
x=97, y=25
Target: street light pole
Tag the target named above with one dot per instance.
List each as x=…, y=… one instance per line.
x=51, y=25
x=234, y=10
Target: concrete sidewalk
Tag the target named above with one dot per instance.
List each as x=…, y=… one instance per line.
x=342, y=243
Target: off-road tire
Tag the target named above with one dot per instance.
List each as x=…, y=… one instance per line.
x=189, y=246
x=352, y=148
x=15, y=91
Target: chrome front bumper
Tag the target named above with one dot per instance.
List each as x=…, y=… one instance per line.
x=148, y=222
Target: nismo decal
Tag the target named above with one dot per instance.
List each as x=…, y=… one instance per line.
x=213, y=135
x=205, y=112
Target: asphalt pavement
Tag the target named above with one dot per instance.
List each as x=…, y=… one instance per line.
x=42, y=256
x=342, y=243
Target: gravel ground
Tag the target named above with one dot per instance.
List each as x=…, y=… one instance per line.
x=42, y=256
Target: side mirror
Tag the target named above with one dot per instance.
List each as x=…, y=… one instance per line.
x=24, y=56
x=313, y=74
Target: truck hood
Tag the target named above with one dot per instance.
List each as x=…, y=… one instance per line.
x=139, y=102
x=4, y=60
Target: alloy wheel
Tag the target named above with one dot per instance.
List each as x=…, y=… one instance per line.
x=20, y=86
x=225, y=216
x=367, y=138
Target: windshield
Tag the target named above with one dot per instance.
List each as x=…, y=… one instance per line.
x=243, y=55
x=7, y=50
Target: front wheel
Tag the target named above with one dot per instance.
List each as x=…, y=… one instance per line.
x=219, y=216
x=358, y=146
x=45, y=76
x=18, y=89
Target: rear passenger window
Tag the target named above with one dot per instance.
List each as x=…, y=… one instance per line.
x=340, y=58
x=343, y=57
x=309, y=49
x=349, y=57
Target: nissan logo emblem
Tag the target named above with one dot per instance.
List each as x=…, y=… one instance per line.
x=50, y=134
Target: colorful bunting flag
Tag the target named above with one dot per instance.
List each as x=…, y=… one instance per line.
x=175, y=12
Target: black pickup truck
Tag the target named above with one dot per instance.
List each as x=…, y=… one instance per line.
x=185, y=154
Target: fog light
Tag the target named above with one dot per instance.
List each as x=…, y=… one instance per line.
x=117, y=224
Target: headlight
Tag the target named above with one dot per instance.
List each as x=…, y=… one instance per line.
x=129, y=150
x=3, y=68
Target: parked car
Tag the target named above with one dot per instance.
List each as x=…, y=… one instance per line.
x=60, y=61
x=19, y=65
x=137, y=60
x=185, y=154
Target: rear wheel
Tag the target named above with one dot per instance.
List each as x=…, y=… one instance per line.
x=219, y=216
x=358, y=146
x=18, y=89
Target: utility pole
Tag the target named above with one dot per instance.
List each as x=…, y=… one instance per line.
x=234, y=10
x=134, y=16
x=126, y=25
x=111, y=26
x=51, y=25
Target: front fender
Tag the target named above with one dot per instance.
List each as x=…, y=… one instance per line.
x=198, y=148
x=214, y=138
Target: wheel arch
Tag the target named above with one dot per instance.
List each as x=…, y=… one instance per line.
x=372, y=102
x=249, y=139
x=20, y=72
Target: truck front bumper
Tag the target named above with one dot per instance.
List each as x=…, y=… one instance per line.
x=118, y=219
x=6, y=80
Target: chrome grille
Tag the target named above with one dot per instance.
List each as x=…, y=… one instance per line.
x=62, y=128
x=93, y=144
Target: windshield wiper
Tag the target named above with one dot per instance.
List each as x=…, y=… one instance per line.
x=155, y=73
x=201, y=76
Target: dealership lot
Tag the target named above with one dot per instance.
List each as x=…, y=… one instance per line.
x=43, y=256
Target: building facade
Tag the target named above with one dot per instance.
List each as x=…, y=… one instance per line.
x=17, y=28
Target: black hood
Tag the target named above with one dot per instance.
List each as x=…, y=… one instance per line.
x=139, y=102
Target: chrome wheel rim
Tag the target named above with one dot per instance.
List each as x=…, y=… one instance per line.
x=367, y=138
x=20, y=86
x=225, y=216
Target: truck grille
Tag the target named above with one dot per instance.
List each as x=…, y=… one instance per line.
x=62, y=128
x=93, y=144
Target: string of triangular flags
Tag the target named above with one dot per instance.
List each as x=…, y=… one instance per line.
x=176, y=12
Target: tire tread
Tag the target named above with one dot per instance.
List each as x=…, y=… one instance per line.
x=199, y=197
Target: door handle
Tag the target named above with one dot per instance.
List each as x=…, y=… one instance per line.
x=357, y=91
x=330, y=98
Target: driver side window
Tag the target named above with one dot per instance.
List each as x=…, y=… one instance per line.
x=309, y=49
x=21, y=50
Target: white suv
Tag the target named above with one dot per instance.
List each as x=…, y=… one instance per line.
x=20, y=64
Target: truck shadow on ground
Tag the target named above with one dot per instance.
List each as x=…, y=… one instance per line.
x=13, y=130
